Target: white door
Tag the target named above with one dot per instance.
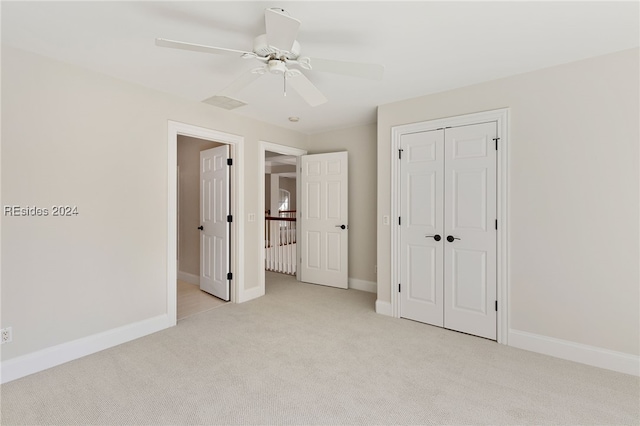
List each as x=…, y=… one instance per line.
x=470, y=220
x=324, y=214
x=214, y=227
x=421, y=227
x=448, y=236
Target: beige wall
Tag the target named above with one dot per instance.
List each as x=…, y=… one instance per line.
x=574, y=195
x=189, y=202
x=360, y=142
x=72, y=136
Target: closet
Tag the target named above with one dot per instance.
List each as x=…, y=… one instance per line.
x=448, y=227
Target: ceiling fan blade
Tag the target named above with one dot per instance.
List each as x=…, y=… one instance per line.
x=282, y=29
x=243, y=81
x=354, y=69
x=307, y=90
x=162, y=42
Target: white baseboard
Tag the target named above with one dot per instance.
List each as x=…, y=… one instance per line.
x=585, y=354
x=363, y=285
x=384, y=308
x=250, y=294
x=188, y=278
x=34, y=362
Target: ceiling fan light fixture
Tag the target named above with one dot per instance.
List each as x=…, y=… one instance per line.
x=277, y=67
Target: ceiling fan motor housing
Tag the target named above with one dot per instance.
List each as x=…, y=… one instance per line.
x=262, y=49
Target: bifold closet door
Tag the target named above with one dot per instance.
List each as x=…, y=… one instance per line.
x=469, y=226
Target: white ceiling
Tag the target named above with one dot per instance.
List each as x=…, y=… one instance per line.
x=426, y=47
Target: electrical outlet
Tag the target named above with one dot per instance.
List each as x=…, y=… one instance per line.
x=6, y=335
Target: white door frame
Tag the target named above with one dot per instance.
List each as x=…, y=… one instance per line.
x=265, y=146
x=237, y=208
x=501, y=117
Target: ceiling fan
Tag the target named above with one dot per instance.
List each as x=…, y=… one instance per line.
x=279, y=51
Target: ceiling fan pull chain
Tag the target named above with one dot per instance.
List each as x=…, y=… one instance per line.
x=284, y=76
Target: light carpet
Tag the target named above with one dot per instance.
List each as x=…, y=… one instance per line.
x=306, y=354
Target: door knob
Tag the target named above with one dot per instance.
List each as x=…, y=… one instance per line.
x=341, y=226
x=201, y=228
x=435, y=237
x=450, y=238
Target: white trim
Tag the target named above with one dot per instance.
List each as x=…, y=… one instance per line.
x=237, y=207
x=383, y=308
x=363, y=285
x=251, y=293
x=284, y=150
x=188, y=278
x=34, y=362
x=501, y=117
x=578, y=352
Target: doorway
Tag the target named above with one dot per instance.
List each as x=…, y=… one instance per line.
x=280, y=213
x=191, y=299
x=274, y=150
x=236, y=146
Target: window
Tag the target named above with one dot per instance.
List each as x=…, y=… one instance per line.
x=284, y=200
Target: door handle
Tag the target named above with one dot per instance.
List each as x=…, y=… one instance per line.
x=450, y=238
x=201, y=228
x=435, y=237
x=342, y=226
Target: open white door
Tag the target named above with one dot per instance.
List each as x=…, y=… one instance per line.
x=214, y=227
x=324, y=224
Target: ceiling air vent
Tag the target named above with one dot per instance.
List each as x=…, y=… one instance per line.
x=224, y=102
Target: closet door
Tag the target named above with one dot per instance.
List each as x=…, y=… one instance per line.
x=422, y=173
x=469, y=228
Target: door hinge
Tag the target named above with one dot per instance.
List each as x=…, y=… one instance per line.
x=399, y=288
x=229, y=276
x=496, y=141
x=229, y=218
x=496, y=306
x=400, y=153
x=496, y=224
x=229, y=161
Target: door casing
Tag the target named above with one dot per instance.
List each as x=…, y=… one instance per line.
x=501, y=117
